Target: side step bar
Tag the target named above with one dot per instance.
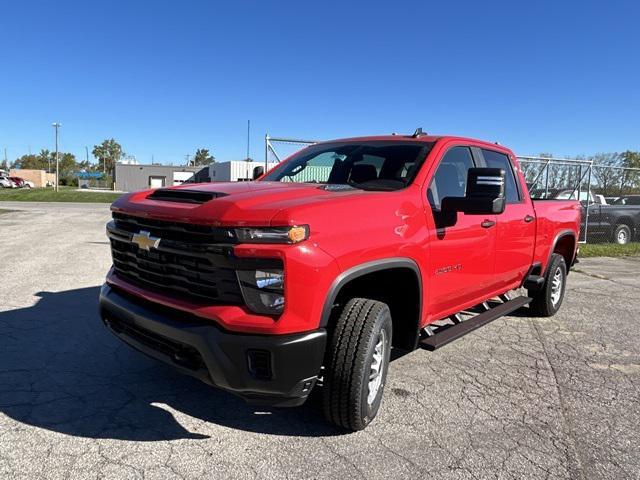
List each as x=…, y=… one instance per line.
x=453, y=332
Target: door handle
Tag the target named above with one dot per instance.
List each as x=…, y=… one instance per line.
x=487, y=223
x=529, y=219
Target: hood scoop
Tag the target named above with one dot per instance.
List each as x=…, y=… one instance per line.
x=183, y=195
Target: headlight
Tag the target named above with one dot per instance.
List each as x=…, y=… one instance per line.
x=263, y=290
x=273, y=234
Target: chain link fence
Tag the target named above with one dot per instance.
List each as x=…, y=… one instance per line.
x=608, y=192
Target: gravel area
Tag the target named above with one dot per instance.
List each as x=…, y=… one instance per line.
x=520, y=398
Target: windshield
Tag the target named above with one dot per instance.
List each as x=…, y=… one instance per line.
x=381, y=165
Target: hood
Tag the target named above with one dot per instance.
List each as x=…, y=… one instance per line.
x=228, y=203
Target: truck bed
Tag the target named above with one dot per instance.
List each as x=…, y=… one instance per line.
x=554, y=218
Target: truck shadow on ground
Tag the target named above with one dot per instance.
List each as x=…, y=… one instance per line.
x=61, y=370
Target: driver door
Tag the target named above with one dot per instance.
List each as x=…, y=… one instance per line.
x=462, y=256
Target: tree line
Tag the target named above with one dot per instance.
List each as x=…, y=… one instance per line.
x=106, y=155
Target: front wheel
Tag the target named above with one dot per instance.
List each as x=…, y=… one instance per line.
x=546, y=302
x=357, y=363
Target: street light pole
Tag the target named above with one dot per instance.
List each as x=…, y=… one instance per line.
x=56, y=125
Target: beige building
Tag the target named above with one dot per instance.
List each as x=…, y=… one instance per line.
x=40, y=178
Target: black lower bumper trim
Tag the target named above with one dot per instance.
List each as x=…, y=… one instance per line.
x=217, y=357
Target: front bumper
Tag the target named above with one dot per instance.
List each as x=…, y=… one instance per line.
x=278, y=370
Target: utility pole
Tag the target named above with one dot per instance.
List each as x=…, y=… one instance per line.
x=187, y=159
x=248, y=137
x=57, y=125
x=86, y=149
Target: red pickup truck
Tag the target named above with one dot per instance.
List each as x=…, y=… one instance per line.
x=309, y=276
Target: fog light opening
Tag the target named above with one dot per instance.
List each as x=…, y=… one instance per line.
x=263, y=290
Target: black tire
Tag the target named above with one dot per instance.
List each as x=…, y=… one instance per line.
x=622, y=234
x=362, y=325
x=545, y=303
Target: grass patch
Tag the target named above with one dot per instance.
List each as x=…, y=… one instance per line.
x=66, y=194
x=609, y=250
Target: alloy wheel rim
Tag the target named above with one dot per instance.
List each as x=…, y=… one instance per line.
x=377, y=367
x=556, y=286
x=622, y=236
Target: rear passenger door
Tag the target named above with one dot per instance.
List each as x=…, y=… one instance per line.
x=516, y=227
x=461, y=255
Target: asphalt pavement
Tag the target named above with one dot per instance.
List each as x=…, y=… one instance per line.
x=519, y=398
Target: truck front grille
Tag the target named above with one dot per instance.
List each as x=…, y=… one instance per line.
x=173, y=273
x=193, y=270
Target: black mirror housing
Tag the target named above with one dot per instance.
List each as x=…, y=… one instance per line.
x=484, y=194
x=258, y=172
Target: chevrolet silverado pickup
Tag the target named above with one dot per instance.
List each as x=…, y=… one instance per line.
x=307, y=277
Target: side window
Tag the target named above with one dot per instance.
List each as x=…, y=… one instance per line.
x=500, y=160
x=450, y=179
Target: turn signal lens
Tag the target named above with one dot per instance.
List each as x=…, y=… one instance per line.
x=297, y=234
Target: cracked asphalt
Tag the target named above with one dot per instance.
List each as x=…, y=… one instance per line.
x=520, y=398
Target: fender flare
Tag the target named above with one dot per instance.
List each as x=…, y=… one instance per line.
x=560, y=236
x=364, y=269
x=625, y=220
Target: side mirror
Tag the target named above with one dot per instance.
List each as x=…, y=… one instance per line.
x=258, y=172
x=484, y=194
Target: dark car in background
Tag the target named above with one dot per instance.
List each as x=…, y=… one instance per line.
x=618, y=222
x=627, y=200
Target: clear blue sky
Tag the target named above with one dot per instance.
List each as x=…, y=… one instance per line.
x=165, y=78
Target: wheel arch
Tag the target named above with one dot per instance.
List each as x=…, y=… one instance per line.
x=629, y=222
x=565, y=245
x=372, y=280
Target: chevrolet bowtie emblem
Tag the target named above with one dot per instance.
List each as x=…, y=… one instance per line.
x=145, y=241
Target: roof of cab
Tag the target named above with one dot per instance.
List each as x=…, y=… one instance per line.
x=396, y=137
x=420, y=138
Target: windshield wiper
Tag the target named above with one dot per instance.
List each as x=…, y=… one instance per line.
x=372, y=188
x=337, y=187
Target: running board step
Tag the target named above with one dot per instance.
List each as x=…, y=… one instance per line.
x=453, y=332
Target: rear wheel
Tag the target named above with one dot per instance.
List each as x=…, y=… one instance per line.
x=546, y=302
x=622, y=234
x=357, y=363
